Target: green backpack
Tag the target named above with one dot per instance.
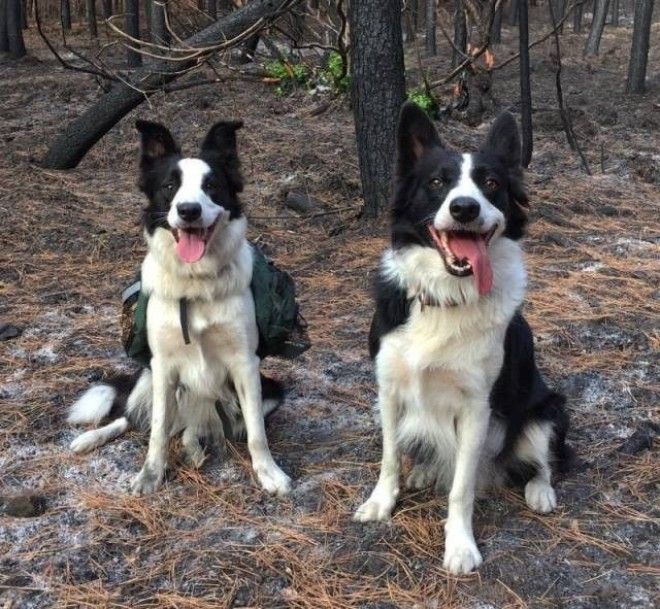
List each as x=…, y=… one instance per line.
x=282, y=329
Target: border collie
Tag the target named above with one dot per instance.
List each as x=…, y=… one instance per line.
x=198, y=257
x=458, y=387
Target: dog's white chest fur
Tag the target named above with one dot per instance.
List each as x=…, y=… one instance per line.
x=444, y=357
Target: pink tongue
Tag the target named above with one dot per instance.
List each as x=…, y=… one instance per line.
x=474, y=249
x=190, y=246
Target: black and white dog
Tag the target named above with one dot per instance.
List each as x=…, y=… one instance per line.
x=197, y=251
x=458, y=386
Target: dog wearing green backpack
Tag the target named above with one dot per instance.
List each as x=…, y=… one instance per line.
x=205, y=308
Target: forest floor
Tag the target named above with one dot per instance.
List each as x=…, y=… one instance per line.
x=212, y=538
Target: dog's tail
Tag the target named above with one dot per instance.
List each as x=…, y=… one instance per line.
x=116, y=401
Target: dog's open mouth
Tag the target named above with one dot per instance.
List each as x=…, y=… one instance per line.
x=466, y=253
x=191, y=242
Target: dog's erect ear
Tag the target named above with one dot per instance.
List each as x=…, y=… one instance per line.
x=416, y=134
x=222, y=137
x=157, y=141
x=504, y=140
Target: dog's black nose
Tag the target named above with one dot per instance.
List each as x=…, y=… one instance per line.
x=464, y=209
x=189, y=211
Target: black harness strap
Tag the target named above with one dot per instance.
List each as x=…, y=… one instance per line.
x=183, y=315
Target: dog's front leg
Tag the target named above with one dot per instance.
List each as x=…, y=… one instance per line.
x=153, y=471
x=245, y=374
x=461, y=553
x=381, y=502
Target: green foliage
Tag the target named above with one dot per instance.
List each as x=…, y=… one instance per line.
x=333, y=73
x=290, y=75
x=424, y=100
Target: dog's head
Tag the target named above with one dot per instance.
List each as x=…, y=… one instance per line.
x=459, y=204
x=190, y=197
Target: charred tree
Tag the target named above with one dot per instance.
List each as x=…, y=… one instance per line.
x=496, y=29
x=460, y=34
x=158, y=27
x=79, y=136
x=431, y=28
x=597, y=27
x=4, y=39
x=15, y=28
x=525, y=85
x=213, y=9
x=107, y=9
x=514, y=12
x=378, y=92
x=65, y=11
x=639, y=51
x=578, y=13
x=91, y=18
x=132, y=28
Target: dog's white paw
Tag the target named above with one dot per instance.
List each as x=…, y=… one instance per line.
x=379, y=506
x=540, y=496
x=461, y=554
x=420, y=477
x=85, y=442
x=147, y=481
x=272, y=479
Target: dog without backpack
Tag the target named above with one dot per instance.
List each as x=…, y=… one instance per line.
x=282, y=330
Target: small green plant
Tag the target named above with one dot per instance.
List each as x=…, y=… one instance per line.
x=424, y=100
x=290, y=75
x=333, y=73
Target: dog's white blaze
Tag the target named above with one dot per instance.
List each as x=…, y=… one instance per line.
x=489, y=215
x=193, y=172
x=92, y=406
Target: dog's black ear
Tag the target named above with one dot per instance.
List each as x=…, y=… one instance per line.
x=416, y=134
x=220, y=150
x=222, y=137
x=503, y=139
x=157, y=141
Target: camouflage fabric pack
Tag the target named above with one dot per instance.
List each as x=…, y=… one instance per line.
x=282, y=330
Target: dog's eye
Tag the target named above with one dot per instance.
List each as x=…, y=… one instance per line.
x=492, y=184
x=436, y=183
x=169, y=187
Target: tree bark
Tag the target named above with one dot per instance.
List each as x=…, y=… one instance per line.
x=65, y=10
x=513, y=12
x=597, y=26
x=496, y=29
x=460, y=33
x=4, y=39
x=213, y=9
x=159, y=33
x=378, y=92
x=615, y=13
x=431, y=28
x=132, y=28
x=639, y=51
x=24, y=15
x=525, y=86
x=578, y=13
x=79, y=136
x=91, y=18
x=107, y=9
x=15, y=29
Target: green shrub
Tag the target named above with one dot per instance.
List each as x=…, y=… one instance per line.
x=290, y=75
x=332, y=73
x=424, y=100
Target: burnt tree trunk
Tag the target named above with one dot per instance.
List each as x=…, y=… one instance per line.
x=107, y=9
x=614, y=21
x=496, y=29
x=431, y=27
x=4, y=39
x=378, y=92
x=132, y=28
x=213, y=9
x=597, y=27
x=157, y=27
x=79, y=136
x=91, y=18
x=639, y=52
x=525, y=85
x=513, y=12
x=578, y=13
x=24, y=15
x=460, y=34
x=65, y=11
x=15, y=28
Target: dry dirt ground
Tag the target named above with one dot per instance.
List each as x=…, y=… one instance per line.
x=211, y=538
